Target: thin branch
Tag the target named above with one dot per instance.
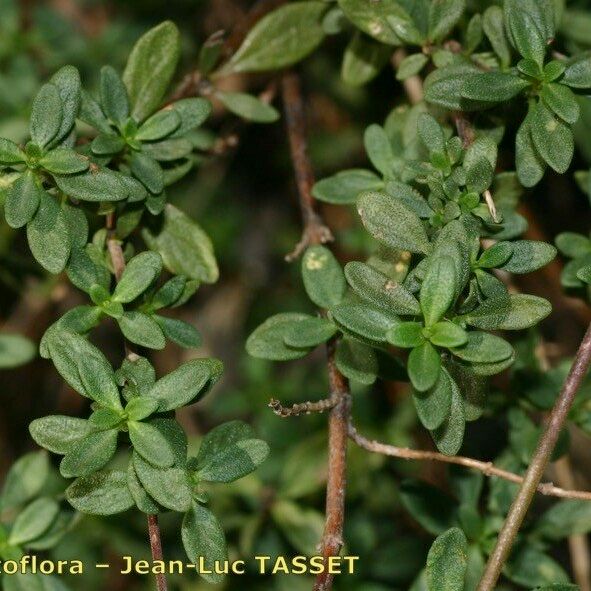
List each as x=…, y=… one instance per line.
x=332, y=539
x=118, y=262
x=315, y=231
x=538, y=465
x=301, y=408
x=487, y=468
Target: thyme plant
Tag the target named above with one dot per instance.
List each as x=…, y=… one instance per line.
x=495, y=106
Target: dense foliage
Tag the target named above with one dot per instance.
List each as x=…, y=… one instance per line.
x=451, y=140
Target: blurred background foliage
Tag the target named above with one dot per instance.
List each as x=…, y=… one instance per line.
x=245, y=199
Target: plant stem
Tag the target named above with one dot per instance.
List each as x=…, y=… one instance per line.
x=156, y=546
x=338, y=425
x=537, y=466
x=487, y=468
x=118, y=262
x=316, y=232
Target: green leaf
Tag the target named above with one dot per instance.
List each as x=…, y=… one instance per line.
x=447, y=334
x=377, y=288
x=141, y=329
x=147, y=171
x=450, y=436
x=392, y=222
x=433, y=405
x=85, y=273
x=106, y=144
x=114, y=99
x=323, y=277
x=184, y=246
x=180, y=332
x=443, y=17
x=444, y=86
x=429, y=506
x=169, y=487
x=411, y=65
x=46, y=115
x=309, y=333
x=578, y=71
x=248, y=107
x=95, y=185
x=529, y=256
x=493, y=86
x=192, y=112
x=494, y=28
x=83, y=367
x=48, y=235
x=280, y=39
x=150, y=68
x=58, y=433
x=22, y=199
x=431, y=133
x=230, y=452
x=406, y=334
x=530, y=24
x=356, y=361
x=216, y=440
x=204, y=539
x=379, y=149
x=302, y=527
x=424, y=365
x=159, y=125
x=483, y=347
x=573, y=245
x=33, y=521
x=15, y=350
x=375, y=18
x=90, y=454
x=562, y=101
x=363, y=60
x=438, y=289
x=10, y=153
x=267, y=341
x=447, y=561
x=144, y=502
x=530, y=566
x=141, y=271
x=530, y=165
x=64, y=161
x=345, y=186
x=552, y=138
x=25, y=479
x=102, y=493
x=565, y=518
x=364, y=320
x=151, y=444
x=517, y=312
x=186, y=384
x=67, y=81
x=141, y=407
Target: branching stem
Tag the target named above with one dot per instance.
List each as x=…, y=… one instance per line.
x=118, y=262
x=316, y=232
x=487, y=468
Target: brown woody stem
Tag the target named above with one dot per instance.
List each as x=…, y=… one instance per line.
x=118, y=262
x=315, y=232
